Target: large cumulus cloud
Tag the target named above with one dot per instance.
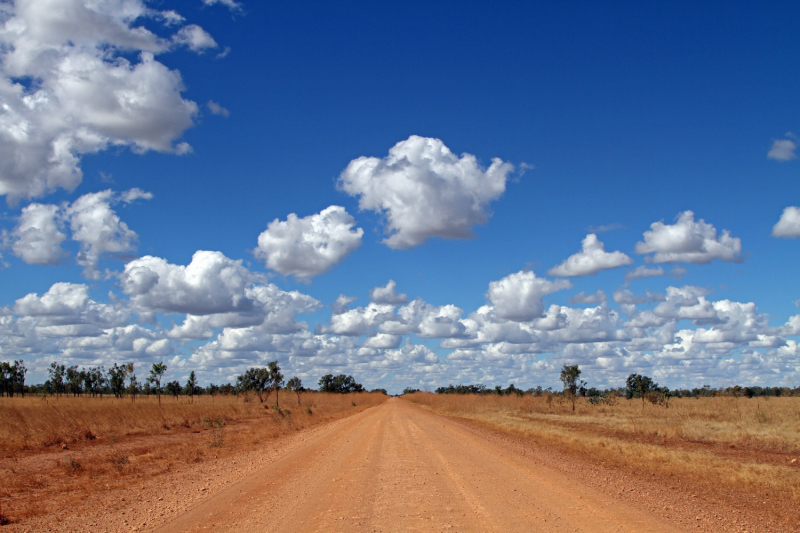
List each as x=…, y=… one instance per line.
x=306, y=247
x=424, y=190
x=79, y=76
x=688, y=241
x=518, y=296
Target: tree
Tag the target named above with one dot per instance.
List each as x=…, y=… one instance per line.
x=256, y=380
x=173, y=388
x=340, y=384
x=18, y=372
x=157, y=372
x=191, y=386
x=638, y=386
x=116, y=379
x=12, y=378
x=74, y=380
x=296, y=386
x=6, y=379
x=57, y=372
x=570, y=376
x=276, y=379
x=93, y=380
x=134, y=387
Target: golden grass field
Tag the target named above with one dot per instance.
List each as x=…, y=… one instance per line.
x=32, y=423
x=53, y=450
x=726, y=443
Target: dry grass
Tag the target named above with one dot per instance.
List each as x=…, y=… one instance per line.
x=728, y=443
x=57, y=452
x=32, y=423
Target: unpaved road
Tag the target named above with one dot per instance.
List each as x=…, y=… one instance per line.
x=397, y=467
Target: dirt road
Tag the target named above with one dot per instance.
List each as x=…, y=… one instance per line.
x=397, y=467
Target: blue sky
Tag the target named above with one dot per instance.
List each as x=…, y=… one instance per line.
x=517, y=132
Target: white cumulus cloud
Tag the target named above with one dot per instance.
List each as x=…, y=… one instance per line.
x=37, y=237
x=425, y=191
x=518, y=297
x=210, y=284
x=789, y=224
x=688, y=241
x=782, y=150
x=590, y=260
x=388, y=294
x=99, y=229
x=306, y=247
x=195, y=38
x=93, y=223
x=80, y=76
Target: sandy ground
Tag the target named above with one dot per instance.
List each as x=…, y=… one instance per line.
x=397, y=467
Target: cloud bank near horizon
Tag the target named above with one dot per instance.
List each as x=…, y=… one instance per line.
x=217, y=316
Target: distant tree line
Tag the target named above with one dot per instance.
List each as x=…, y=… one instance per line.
x=637, y=386
x=475, y=389
x=121, y=381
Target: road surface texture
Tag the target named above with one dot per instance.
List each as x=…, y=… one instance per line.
x=400, y=468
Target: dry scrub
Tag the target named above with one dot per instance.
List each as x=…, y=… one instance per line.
x=57, y=451
x=723, y=443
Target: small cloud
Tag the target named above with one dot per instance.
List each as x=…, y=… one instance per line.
x=230, y=4
x=643, y=272
x=170, y=18
x=134, y=194
x=342, y=304
x=225, y=52
x=217, y=109
x=783, y=149
x=584, y=298
x=388, y=295
x=604, y=228
x=590, y=260
x=106, y=178
x=184, y=149
x=789, y=224
x=195, y=38
x=677, y=272
x=521, y=170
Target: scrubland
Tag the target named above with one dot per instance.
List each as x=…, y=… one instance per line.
x=721, y=443
x=54, y=451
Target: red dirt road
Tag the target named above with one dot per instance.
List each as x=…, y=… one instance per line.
x=397, y=467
